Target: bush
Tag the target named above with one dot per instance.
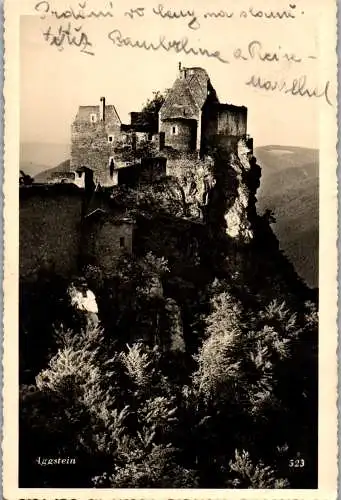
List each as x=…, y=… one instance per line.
x=137, y=414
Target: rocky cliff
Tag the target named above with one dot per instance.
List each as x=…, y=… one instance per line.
x=220, y=188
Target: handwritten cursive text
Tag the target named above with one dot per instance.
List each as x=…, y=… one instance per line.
x=139, y=11
x=169, y=14
x=256, y=51
x=298, y=87
x=163, y=44
x=221, y=14
x=64, y=36
x=77, y=13
x=271, y=14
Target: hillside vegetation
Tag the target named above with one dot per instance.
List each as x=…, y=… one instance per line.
x=201, y=371
x=290, y=188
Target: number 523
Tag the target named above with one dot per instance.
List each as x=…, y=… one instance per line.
x=296, y=462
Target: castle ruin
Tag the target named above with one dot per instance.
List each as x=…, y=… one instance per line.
x=190, y=123
x=174, y=152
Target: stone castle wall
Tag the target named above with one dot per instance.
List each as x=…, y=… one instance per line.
x=232, y=121
x=49, y=230
x=106, y=241
x=194, y=175
x=93, y=142
x=222, y=126
x=53, y=234
x=90, y=148
x=184, y=138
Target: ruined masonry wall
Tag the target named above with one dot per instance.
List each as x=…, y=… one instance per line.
x=49, y=229
x=184, y=139
x=232, y=122
x=90, y=146
x=106, y=244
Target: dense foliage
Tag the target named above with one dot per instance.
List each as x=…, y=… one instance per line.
x=135, y=408
x=202, y=371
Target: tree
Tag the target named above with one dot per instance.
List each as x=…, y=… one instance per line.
x=25, y=179
x=118, y=413
x=251, y=476
x=154, y=105
x=149, y=113
x=139, y=414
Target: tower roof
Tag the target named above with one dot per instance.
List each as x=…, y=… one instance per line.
x=179, y=102
x=188, y=94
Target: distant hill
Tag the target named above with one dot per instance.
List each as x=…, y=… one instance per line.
x=290, y=188
x=46, y=174
x=36, y=156
x=31, y=168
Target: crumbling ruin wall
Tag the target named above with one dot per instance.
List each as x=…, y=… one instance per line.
x=180, y=134
x=90, y=148
x=49, y=230
x=94, y=134
x=106, y=241
x=232, y=120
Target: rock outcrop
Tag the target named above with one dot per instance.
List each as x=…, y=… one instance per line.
x=220, y=188
x=196, y=178
x=232, y=197
x=240, y=216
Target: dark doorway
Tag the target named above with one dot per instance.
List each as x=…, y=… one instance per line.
x=194, y=132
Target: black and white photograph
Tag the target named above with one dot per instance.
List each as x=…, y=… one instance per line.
x=170, y=185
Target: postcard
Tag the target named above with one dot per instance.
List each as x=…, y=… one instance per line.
x=170, y=229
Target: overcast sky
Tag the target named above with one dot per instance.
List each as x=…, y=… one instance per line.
x=54, y=83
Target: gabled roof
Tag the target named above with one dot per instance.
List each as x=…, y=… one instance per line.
x=198, y=91
x=179, y=102
x=96, y=211
x=188, y=94
x=84, y=113
x=109, y=216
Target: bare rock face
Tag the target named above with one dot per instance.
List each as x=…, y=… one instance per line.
x=197, y=183
x=238, y=224
x=195, y=176
x=240, y=182
x=219, y=188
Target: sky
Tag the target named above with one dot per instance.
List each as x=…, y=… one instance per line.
x=53, y=83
